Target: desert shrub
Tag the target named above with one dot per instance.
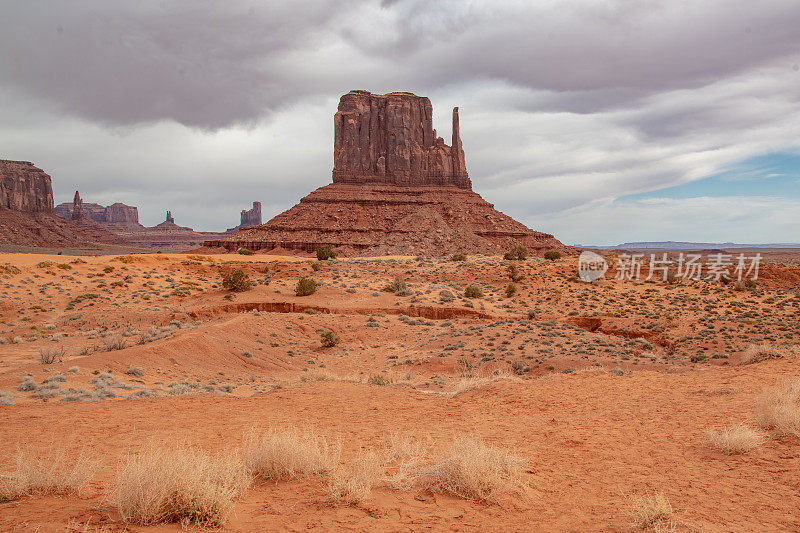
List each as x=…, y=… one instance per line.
x=378, y=380
x=458, y=257
x=135, y=371
x=63, y=266
x=8, y=268
x=45, y=264
x=178, y=484
x=651, y=511
x=128, y=259
x=244, y=251
x=49, y=356
x=473, y=470
x=750, y=283
x=326, y=252
x=761, y=352
x=276, y=455
x=734, y=439
x=52, y=473
x=552, y=255
x=115, y=343
x=397, y=286
x=315, y=267
x=514, y=274
x=305, y=287
x=108, y=269
x=473, y=291
x=516, y=253
x=6, y=398
x=28, y=384
x=237, y=281
x=352, y=485
x=778, y=408
x=329, y=339
x=511, y=290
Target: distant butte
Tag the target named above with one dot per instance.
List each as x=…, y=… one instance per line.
x=397, y=189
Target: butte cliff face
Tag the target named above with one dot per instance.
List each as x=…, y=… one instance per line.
x=25, y=187
x=397, y=189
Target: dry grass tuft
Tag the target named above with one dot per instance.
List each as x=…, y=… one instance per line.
x=352, y=485
x=405, y=458
x=468, y=383
x=52, y=473
x=473, y=470
x=735, y=438
x=284, y=454
x=778, y=408
x=762, y=352
x=178, y=484
x=651, y=511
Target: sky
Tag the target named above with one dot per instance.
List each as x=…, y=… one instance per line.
x=601, y=122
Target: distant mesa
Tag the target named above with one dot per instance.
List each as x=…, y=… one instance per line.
x=397, y=189
x=116, y=215
x=248, y=217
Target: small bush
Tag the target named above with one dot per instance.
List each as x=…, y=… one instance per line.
x=329, y=339
x=514, y=274
x=734, y=439
x=28, y=384
x=6, y=398
x=244, y=251
x=8, y=268
x=115, y=343
x=326, y=252
x=53, y=473
x=473, y=470
x=552, y=255
x=651, y=511
x=305, y=287
x=48, y=356
x=378, y=380
x=135, y=371
x=277, y=455
x=473, y=291
x=516, y=253
x=181, y=484
x=458, y=257
x=778, y=408
x=397, y=286
x=237, y=281
x=352, y=485
x=511, y=290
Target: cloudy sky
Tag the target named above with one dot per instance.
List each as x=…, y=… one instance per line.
x=598, y=121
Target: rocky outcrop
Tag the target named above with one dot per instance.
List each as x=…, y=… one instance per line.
x=115, y=214
x=118, y=213
x=397, y=189
x=77, y=207
x=169, y=218
x=389, y=138
x=251, y=217
x=25, y=187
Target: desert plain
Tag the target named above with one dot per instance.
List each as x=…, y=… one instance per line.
x=401, y=403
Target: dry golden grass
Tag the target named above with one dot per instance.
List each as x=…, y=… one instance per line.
x=276, y=454
x=651, y=511
x=51, y=473
x=735, y=438
x=352, y=485
x=405, y=457
x=473, y=470
x=178, y=484
x=469, y=383
x=778, y=408
x=761, y=352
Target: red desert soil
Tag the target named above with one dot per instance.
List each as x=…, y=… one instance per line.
x=606, y=390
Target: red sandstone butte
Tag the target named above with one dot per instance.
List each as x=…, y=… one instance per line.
x=397, y=189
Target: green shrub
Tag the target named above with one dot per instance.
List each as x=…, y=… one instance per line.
x=330, y=339
x=473, y=292
x=326, y=252
x=516, y=253
x=237, y=281
x=244, y=251
x=552, y=255
x=511, y=290
x=397, y=286
x=305, y=287
x=514, y=273
x=458, y=257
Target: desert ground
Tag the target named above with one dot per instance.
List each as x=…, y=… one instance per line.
x=557, y=405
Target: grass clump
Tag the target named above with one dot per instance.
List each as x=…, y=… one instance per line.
x=135, y=371
x=735, y=438
x=180, y=484
x=762, y=352
x=305, y=287
x=276, y=455
x=352, y=485
x=326, y=252
x=237, y=281
x=778, y=408
x=52, y=473
x=8, y=268
x=651, y=511
x=329, y=339
x=473, y=470
x=473, y=291
x=516, y=253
